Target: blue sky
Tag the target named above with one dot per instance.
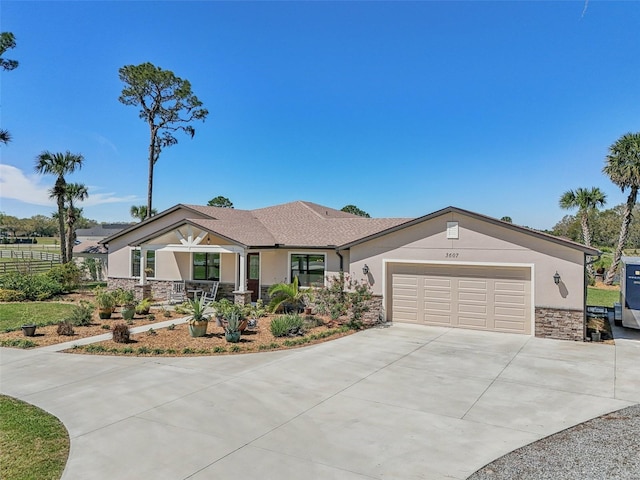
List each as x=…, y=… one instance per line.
x=400, y=108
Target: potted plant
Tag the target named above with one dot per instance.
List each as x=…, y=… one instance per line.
x=220, y=309
x=307, y=300
x=106, y=302
x=198, y=320
x=254, y=312
x=232, y=327
x=28, y=327
x=128, y=301
x=143, y=306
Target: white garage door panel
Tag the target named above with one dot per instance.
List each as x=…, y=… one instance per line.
x=472, y=297
x=487, y=298
x=510, y=299
x=475, y=322
x=510, y=287
x=434, y=319
x=467, y=308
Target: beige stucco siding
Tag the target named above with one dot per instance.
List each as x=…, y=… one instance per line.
x=275, y=264
x=479, y=243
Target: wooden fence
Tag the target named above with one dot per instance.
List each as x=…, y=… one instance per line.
x=30, y=255
x=28, y=266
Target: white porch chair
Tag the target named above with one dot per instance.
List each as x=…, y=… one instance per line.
x=210, y=296
x=177, y=293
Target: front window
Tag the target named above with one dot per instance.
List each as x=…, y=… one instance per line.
x=206, y=266
x=309, y=268
x=135, y=263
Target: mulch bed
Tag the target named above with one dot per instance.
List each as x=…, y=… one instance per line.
x=177, y=341
x=48, y=335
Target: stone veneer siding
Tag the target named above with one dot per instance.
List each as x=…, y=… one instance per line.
x=160, y=289
x=560, y=324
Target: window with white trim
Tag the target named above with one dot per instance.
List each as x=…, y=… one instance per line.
x=206, y=266
x=309, y=268
x=135, y=263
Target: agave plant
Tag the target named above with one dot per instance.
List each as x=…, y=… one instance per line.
x=196, y=308
x=232, y=324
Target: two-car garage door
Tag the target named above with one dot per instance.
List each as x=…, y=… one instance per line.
x=479, y=297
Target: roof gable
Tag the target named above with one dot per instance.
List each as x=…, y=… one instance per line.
x=484, y=218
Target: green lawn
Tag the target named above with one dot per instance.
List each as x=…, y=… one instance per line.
x=14, y=315
x=601, y=297
x=34, y=445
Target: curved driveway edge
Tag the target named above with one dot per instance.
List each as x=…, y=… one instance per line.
x=399, y=402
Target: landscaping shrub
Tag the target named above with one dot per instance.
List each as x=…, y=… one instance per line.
x=68, y=275
x=14, y=342
x=8, y=295
x=287, y=325
x=34, y=287
x=343, y=296
x=121, y=333
x=65, y=328
x=81, y=314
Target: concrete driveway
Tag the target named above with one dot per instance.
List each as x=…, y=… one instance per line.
x=402, y=402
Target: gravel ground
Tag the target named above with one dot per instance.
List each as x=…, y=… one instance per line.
x=605, y=448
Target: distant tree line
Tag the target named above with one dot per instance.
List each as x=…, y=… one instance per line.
x=604, y=226
x=36, y=226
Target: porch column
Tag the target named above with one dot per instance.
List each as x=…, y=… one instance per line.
x=243, y=272
x=143, y=266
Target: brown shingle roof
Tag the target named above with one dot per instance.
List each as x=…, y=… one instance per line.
x=300, y=224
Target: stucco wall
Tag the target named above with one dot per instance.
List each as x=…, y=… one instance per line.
x=479, y=242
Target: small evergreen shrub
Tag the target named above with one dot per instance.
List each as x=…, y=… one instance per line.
x=106, y=326
x=67, y=275
x=287, y=325
x=34, y=287
x=219, y=349
x=81, y=314
x=65, y=328
x=121, y=333
x=235, y=348
x=19, y=343
x=171, y=327
x=8, y=295
x=143, y=350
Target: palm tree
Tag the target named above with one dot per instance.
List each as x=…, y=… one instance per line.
x=622, y=166
x=59, y=164
x=140, y=212
x=586, y=201
x=5, y=136
x=286, y=294
x=73, y=191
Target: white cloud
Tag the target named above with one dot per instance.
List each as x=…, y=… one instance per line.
x=14, y=184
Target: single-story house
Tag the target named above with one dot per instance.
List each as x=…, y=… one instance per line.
x=451, y=268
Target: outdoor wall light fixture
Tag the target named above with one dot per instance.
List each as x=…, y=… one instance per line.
x=556, y=278
x=365, y=269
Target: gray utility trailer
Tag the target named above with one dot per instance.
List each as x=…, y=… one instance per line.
x=630, y=291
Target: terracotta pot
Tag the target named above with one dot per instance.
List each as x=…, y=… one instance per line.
x=198, y=329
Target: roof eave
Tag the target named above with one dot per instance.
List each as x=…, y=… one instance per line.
x=178, y=225
x=149, y=220
x=495, y=221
